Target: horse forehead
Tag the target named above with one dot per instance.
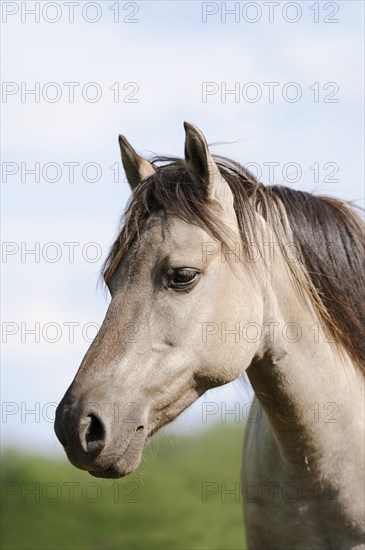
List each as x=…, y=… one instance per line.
x=181, y=235
x=175, y=234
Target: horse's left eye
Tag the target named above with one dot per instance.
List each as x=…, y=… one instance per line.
x=184, y=277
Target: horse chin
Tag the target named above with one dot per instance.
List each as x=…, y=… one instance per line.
x=121, y=468
x=123, y=465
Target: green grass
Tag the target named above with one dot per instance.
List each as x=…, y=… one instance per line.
x=162, y=505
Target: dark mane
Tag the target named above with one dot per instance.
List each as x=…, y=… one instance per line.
x=328, y=235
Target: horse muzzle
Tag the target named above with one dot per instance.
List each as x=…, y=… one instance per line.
x=99, y=443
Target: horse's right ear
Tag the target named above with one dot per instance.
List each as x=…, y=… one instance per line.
x=203, y=169
x=136, y=167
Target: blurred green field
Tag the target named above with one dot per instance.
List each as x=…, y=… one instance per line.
x=178, y=498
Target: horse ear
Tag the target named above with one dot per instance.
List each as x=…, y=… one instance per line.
x=136, y=167
x=203, y=170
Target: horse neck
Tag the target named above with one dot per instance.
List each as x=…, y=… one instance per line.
x=310, y=391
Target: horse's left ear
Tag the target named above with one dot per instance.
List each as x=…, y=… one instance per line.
x=136, y=167
x=203, y=170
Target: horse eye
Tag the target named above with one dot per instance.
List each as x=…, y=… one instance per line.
x=183, y=277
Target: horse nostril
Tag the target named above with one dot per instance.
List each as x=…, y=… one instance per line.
x=95, y=435
x=139, y=429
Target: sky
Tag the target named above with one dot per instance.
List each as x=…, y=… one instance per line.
x=277, y=86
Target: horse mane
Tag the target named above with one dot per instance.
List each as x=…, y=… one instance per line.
x=327, y=233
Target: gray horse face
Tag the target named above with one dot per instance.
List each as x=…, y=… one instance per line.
x=160, y=347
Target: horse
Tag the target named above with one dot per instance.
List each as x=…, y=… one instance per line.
x=212, y=275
